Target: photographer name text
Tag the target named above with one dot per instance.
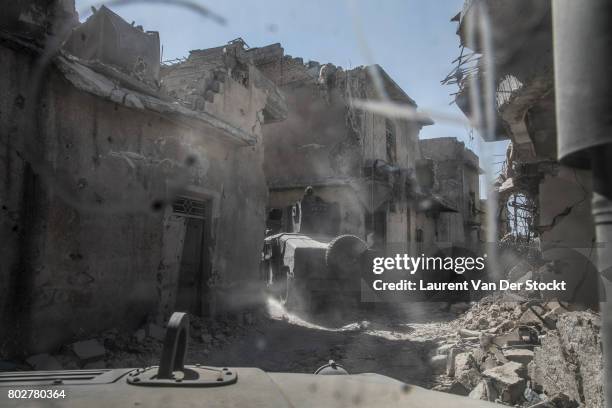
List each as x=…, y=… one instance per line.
x=421, y=285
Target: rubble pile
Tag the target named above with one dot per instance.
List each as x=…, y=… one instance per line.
x=114, y=349
x=528, y=353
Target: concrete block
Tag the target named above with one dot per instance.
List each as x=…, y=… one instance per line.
x=521, y=356
x=507, y=381
x=530, y=318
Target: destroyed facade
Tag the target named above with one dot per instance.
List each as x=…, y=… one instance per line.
x=120, y=205
x=360, y=165
x=135, y=188
x=538, y=197
x=543, y=222
x=358, y=168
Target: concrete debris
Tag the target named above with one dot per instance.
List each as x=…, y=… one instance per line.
x=507, y=381
x=485, y=340
x=549, y=370
x=519, y=270
x=551, y=317
x=89, y=350
x=452, y=388
x=484, y=391
x=115, y=349
x=570, y=361
x=528, y=353
x=468, y=333
x=465, y=370
x=531, y=397
x=531, y=318
x=557, y=401
x=581, y=340
x=522, y=356
x=44, y=362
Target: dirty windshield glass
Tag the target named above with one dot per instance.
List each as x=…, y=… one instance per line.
x=199, y=193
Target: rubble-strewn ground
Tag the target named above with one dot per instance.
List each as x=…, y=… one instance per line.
x=529, y=353
x=515, y=350
x=378, y=340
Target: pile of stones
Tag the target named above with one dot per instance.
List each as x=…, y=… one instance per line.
x=528, y=353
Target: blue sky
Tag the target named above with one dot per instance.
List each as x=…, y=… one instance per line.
x=413, y=40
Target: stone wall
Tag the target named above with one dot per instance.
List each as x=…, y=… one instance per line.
x=89, y=239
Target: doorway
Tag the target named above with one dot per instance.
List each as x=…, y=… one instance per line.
x=195, y=263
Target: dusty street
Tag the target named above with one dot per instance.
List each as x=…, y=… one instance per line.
x=397, y=342
x=497, y=349
x=365, y=343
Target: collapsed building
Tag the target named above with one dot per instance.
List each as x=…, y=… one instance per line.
x=544, y=191
x=122, y=201
x=538, y=196
x=544, y=206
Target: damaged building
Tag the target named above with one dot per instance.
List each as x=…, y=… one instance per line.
x=544, y=219
x=538, y=197
x=544, y=205
x=360, y=166
x=453, y=214
x=332, y=169
x=122, y=201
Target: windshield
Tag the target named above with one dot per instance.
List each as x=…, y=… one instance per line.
x=403, y=187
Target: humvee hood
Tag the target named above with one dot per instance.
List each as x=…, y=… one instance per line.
x=254, y=389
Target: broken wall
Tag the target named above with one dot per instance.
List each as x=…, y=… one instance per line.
x=90, y=241
x=565, y=209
